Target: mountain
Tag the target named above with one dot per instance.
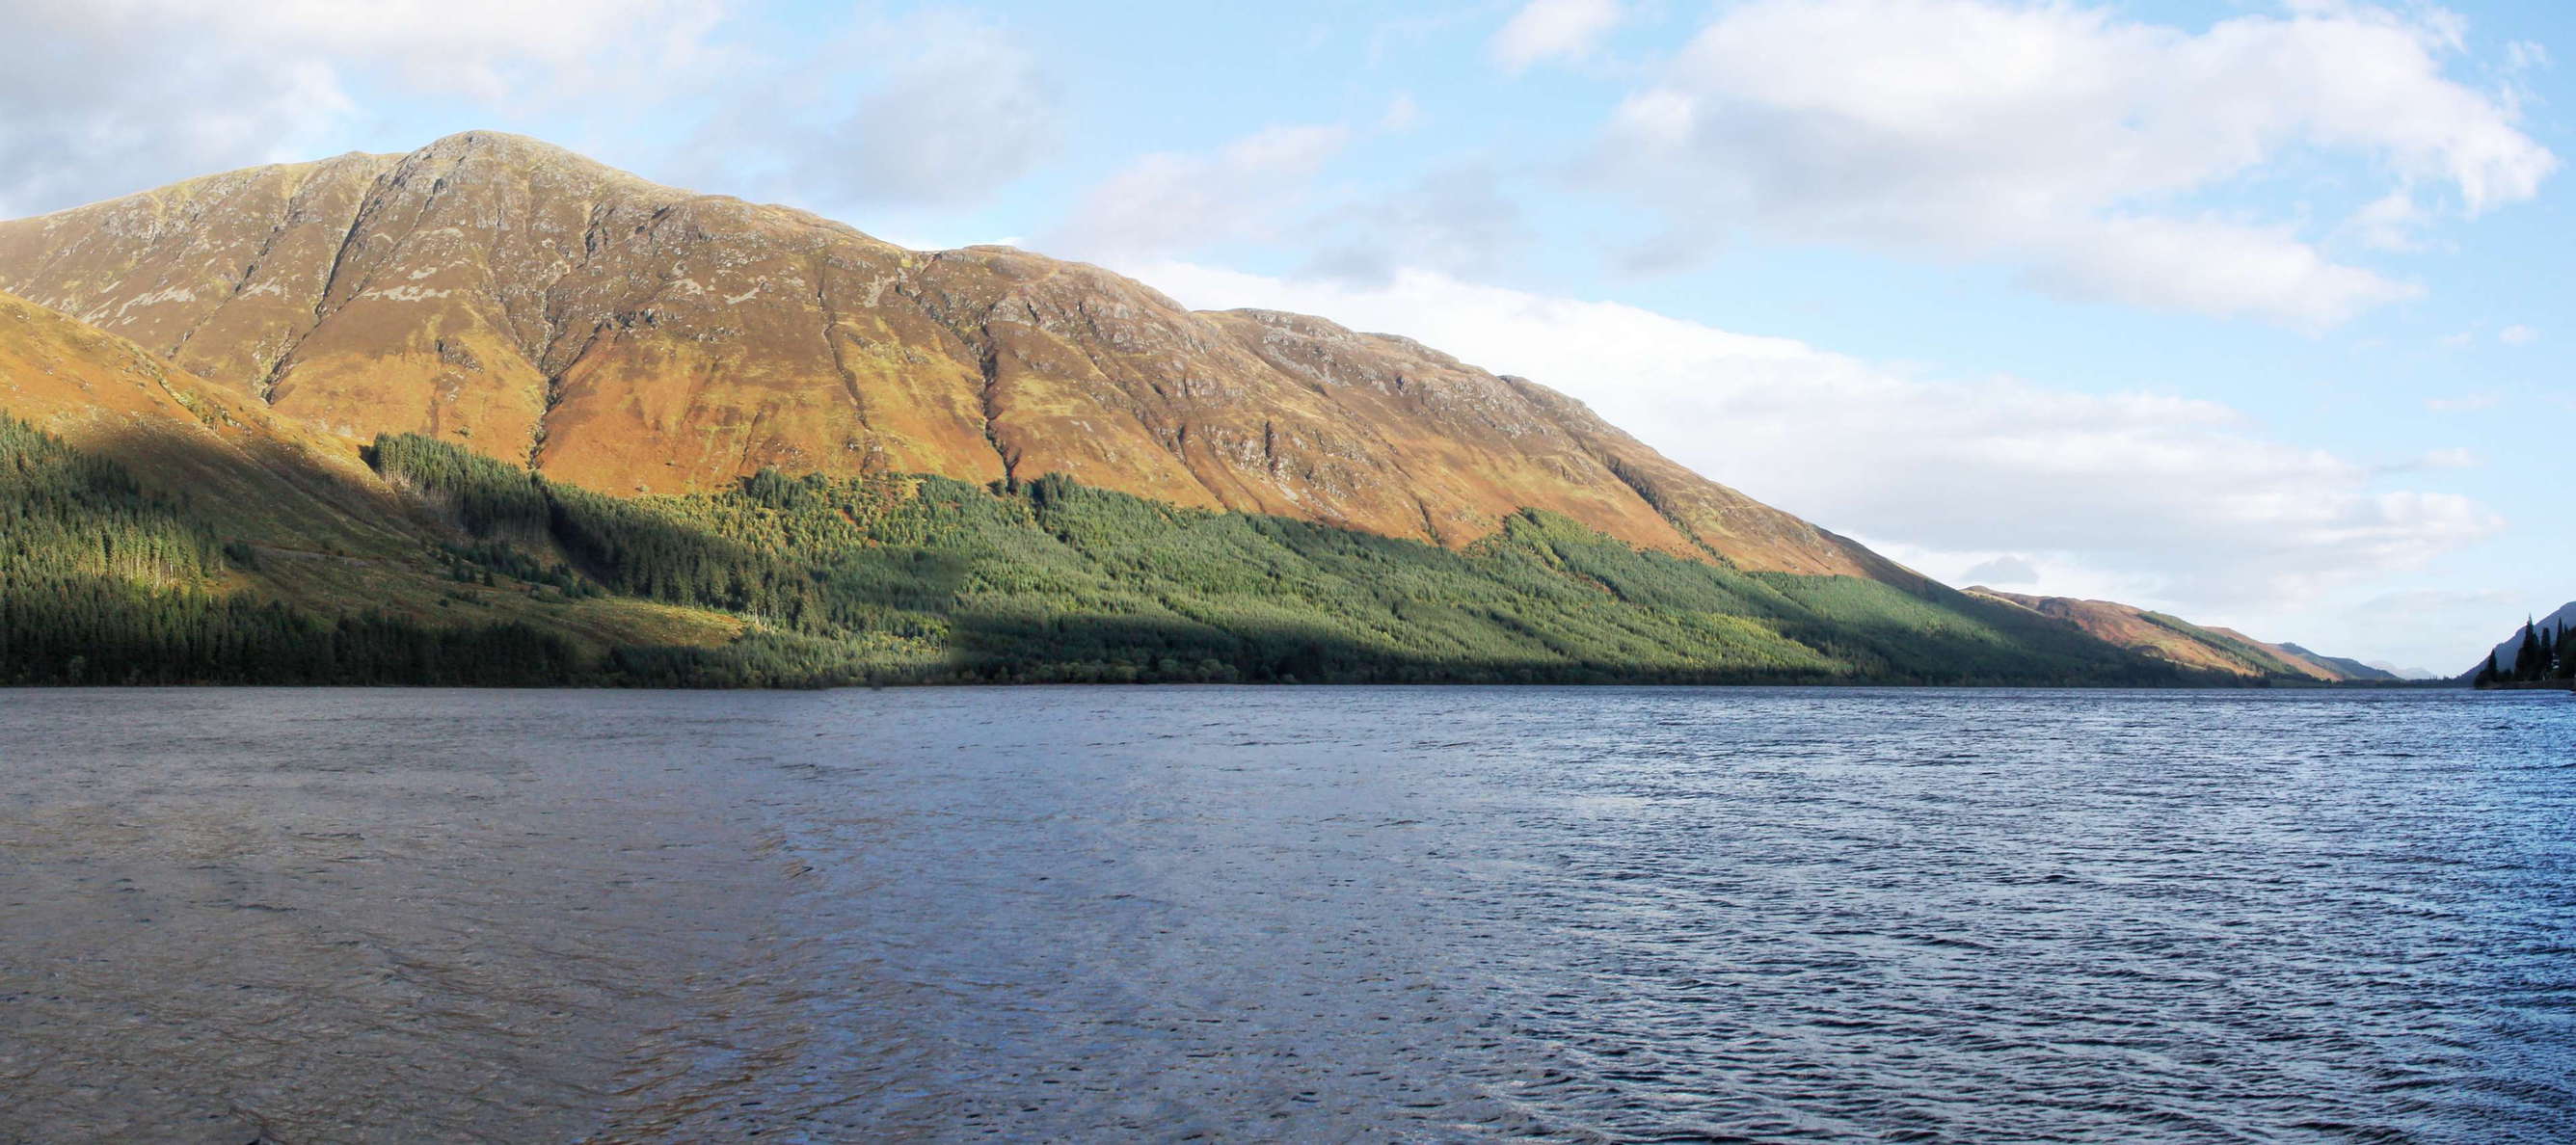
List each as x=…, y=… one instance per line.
x=2180, y=642
x=159, y=528
x=493, y=413
x=537, y=307
x=156, y=527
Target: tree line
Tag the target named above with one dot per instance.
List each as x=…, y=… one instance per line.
x=2546, y=655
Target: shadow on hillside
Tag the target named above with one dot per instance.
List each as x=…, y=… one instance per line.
x=262, y=490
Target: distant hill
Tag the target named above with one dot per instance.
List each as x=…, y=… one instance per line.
x=2180, y=642
x=2406, y=673
x=2352, y=669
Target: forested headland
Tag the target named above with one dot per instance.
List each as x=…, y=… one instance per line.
x=2545, y=657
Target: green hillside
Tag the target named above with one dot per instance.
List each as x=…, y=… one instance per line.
x=105, y=581
x=819, y=581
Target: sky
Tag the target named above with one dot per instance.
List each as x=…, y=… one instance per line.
x=2249, y=311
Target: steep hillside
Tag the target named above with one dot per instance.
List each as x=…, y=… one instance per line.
x=2185, y=644
x=536, y=307
x=137, y=499
x=159, y=528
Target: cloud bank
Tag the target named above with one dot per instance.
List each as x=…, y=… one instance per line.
x=1546, y=30
x=1168, y=202
x=106, y=97
x=960, y=108
x=2078, y=146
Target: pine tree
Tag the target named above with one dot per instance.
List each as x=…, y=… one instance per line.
x=2527, y=658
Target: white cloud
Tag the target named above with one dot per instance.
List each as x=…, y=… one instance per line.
x=1453, y=219
x=1546, y=30
x=496, y=51
x=116, y=96
x=2071, y=143
x=2210, y=267
x=1167, y=201
x=2001, y=572
x=2517, y=335
x=966, y=110
x=104, y=98
x=1403, y=114
x=2051, y=573
x=2464, y=403
x=2392, y=222
x=2167, y=498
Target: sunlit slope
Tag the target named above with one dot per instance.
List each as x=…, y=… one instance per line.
x=145, y=504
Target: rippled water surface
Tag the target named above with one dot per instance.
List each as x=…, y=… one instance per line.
x=1304, y=914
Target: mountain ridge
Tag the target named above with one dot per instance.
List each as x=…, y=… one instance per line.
x=538, y=306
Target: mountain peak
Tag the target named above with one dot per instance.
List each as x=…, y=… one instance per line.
x=483, y=137
x=470, y=159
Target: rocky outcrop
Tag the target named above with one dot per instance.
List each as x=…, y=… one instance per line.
x=532, y=304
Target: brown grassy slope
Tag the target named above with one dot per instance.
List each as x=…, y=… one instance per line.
x=329, y=534
x=499, y=292
x=2173, y=639
x=2304, y=665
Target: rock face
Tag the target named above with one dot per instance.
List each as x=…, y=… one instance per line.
x=537, y=306
x=2182, y=642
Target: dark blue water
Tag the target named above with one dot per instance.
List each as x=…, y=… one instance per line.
x=1310, y=914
